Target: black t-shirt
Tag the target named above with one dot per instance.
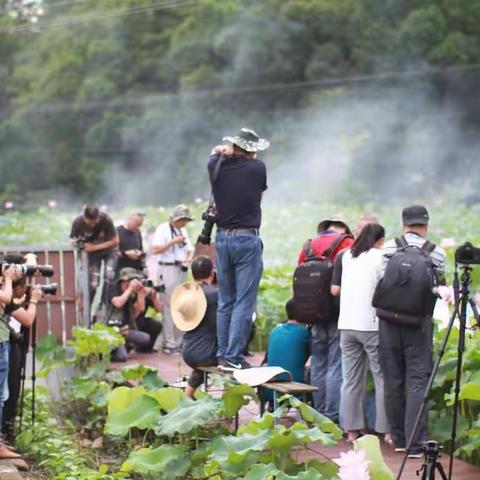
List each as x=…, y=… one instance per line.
x=238, y=191
x=338, y=269
x=200, y=344
x=129, y=240
x=103, y=231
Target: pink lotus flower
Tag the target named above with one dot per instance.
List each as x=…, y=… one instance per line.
x=353, y=465
x=446, y=293
x=9, y=205
x=447, y=243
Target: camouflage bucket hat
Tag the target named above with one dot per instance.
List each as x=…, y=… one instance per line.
x=128, y=273
x=248, y=140
x=181, y=212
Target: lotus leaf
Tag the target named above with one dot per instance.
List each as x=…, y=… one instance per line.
x=261, y=472
x=166, y=462
x=121, y=397
x=237, y=448
x=328, y=469
x=168, y=398
x=142, y=413
x=255, y=426
x=151, y=381
x=311, y=415
x=188, y=415
x=470, y=391
x=236, y=397
x=136, y=372
x=308, y=475
x=377, y=467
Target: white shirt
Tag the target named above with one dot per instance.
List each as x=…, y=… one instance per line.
x=360, y=276
x=176, y=253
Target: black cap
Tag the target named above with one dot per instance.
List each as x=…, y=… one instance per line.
x=415, y=215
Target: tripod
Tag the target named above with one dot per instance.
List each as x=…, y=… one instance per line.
x=431, y=462
x=23, y=374
x=462, y=300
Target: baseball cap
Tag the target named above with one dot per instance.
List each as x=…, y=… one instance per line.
x=415, y=215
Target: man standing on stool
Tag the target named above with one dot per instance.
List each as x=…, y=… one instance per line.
x=174, y=252
x=238, y=181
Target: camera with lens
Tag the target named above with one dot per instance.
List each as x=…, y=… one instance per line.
x=210, y=218
x=467, y=254
x=81, y=240
x=26, y=269
x=49, y=288
x=149, y=284
x=115, y=323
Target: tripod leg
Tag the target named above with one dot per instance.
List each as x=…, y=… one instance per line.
x=441, y=471
x=427, y=392
x=34, y=348
x=458, y=376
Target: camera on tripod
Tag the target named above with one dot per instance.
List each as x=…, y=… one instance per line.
x=210, y=218
x=467, y=254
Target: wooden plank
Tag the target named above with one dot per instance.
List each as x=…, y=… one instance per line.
x=290, y=387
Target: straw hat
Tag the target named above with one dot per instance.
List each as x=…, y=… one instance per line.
x=188, y=306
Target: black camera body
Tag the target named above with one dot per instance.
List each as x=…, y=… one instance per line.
x=210, y=218
x=467, y=254
x=115, y=323
x=149, y=284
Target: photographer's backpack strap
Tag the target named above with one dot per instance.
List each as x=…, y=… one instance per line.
x=401, y=242
x=428, y=247
x=331, y=249
x=307, y=248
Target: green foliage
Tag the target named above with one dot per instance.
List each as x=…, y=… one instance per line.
x=165, y=461
x=83, y=102
x=141, y=413
x=93, y=344
x=377, y=467
x=468, y=437
x=52, y=444
x=187, y=416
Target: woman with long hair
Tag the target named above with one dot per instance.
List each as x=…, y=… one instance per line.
x=356, y=274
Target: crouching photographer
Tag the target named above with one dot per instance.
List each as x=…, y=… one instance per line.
x=21, y=305
x=129, y=300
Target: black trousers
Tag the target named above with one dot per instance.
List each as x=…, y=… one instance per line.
x=406, y=360
x=150, y=326
x=14, y=383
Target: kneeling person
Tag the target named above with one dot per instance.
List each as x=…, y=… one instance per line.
x=128, y=301
x=194, y=311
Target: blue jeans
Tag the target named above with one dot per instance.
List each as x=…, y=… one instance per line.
x=239, y=269
x=4, y=356
x=326, y=368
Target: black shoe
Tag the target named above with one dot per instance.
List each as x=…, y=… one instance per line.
x=231, y=366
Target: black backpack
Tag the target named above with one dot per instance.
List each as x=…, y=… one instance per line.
x=311, y=285
x=404, y=294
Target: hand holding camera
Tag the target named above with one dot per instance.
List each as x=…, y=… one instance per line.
x=178, y=240
x=36, y=293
